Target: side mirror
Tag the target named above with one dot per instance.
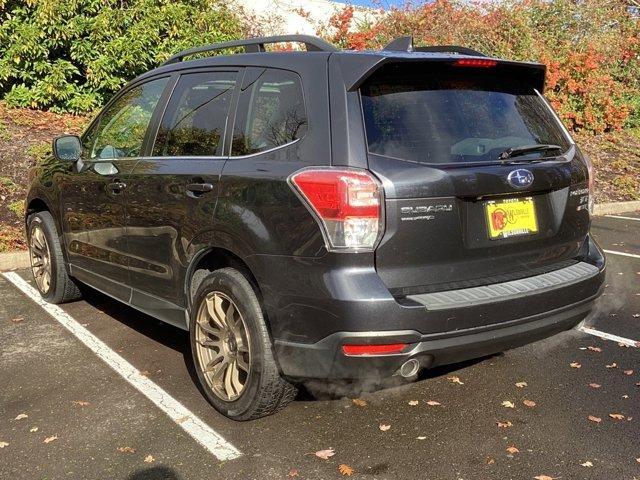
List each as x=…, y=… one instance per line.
x=67, y=147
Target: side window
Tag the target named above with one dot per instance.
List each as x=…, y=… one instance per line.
x=122, y=126
x=271, y=113
x=196, y=116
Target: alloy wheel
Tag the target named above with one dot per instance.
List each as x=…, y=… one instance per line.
x=40, y=259
x=222, y=346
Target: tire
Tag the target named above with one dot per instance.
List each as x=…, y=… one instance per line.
x=233, y=357
x=48, y=267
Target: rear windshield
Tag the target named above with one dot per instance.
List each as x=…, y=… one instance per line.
x=455, y=117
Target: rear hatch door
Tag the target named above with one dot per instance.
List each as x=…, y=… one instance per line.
x=482, y=182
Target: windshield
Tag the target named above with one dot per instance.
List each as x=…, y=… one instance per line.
x=456, y=117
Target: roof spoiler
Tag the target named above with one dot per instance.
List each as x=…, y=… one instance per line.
x=357, y=69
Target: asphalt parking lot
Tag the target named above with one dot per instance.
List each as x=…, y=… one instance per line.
x=65, y=413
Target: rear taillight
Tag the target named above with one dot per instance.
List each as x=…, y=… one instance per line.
x=475, y=62
x=348, y=204
x=592, y=180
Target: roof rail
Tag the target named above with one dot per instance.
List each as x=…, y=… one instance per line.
x=255, y=45
x=405, y=44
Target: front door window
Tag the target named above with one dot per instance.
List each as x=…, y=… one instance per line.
x=122, y=126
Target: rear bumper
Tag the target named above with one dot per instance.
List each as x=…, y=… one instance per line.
x=325, y=359
x=436, y=336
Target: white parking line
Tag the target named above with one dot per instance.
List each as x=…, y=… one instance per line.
x=637, y=219
x=624, y=254
x=609, y=336
x=190, y=423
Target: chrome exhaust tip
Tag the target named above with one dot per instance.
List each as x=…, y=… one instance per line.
x=409, y=368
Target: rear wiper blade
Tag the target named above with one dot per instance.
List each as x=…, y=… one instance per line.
x=517, y=151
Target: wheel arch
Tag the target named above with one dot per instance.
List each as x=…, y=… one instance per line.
x=213, y=258
x=38, y=204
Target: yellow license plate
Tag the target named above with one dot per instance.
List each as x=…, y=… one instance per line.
x=511, y=217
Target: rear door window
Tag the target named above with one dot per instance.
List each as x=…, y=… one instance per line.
x=455, y=117
x=196, y=116
x=271, y=113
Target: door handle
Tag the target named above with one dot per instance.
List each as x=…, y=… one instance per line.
x=199, y=187
x=116, y=186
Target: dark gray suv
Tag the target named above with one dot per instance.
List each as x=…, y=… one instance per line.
x=324, y=214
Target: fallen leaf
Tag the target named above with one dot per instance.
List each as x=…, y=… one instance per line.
x=80, y=403
x=620, y=344
x=33, y=429
x=512, y=450
x=454, y=379
x=293, y=473
x=529, y=403
x=433, y=403
x=21, y=416
x=506, y=424
x=17, y=319
x=413, y=403
x=325, y=454
x=636, y=315
x=587, y=464
x=345, y=470
x=521, y=384
x=575, y=365
x=145, y=373
x=595, y=385
x=594, y=419
x=508, y=404
x=126, y=450
x=383, y=427
x=616, y=416
x=149, y=459
x=50, y=439
x=4, y=444
x=613, y=365
x=638, y=459
x=358, y=402
x=490, y=461
x=594, y=349
x=628, y=372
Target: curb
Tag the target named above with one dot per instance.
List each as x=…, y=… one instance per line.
x=14, y=260
x=616, y=207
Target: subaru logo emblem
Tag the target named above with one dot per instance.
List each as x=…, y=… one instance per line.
x=520, y=178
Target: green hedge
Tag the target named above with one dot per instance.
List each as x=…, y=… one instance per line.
x=71, y=55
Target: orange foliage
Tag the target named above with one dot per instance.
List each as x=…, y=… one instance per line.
x=591, y=48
